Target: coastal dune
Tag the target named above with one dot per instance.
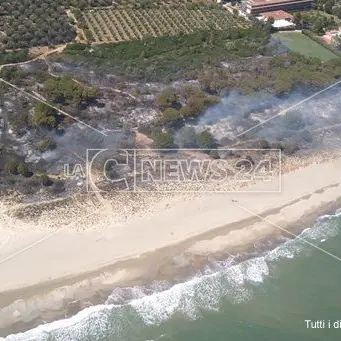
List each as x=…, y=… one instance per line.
x=186, y=234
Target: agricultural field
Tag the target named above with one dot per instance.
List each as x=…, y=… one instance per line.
x=144, y=4
x=112, y=25
x=27, y=23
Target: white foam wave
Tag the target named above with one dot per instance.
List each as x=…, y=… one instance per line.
x=127, y=294
x=159, y=302
x=257, y=270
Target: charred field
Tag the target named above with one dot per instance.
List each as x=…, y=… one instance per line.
x=216, y=108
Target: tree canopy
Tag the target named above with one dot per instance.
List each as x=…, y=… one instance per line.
x=167, y=98
x=206, y=140
x=162, y=139
x=28, y=23
x=7, y=57
x=65, y=90
x=46, y=116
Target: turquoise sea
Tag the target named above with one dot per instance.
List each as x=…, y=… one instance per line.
x=268, y=297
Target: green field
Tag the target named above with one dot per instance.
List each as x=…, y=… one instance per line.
x=300, y=43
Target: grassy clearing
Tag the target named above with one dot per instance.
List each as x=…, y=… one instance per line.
x=300, y=43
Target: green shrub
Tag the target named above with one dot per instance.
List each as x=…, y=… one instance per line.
x=76, y=47
x=206, y=140
x=65, y=90
x=167, y=98
x=290, y=148
x=45, y=116
x=11, y=166
x=12, y=74
x=171, y=115
x=197, y=103
x=7, y=57
x=24, y=170
x=145, y=129
x=264, y=144
x=162, y=139
x=46, y=144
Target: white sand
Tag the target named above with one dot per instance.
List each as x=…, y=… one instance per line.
x=71, y=252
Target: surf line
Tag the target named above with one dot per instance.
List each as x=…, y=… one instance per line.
x=285, y=230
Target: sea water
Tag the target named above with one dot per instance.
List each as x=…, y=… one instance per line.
x=269, y=297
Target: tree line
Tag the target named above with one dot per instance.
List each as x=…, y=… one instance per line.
x=171, y=58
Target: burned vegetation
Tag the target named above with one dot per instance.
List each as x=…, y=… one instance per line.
x=111, y=97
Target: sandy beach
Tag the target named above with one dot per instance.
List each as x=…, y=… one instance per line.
x=44, y=269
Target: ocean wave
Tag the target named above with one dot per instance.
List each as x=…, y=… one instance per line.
x=158, y=302
x=127, y=294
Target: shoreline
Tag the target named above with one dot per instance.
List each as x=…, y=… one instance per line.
x=100, y=293
x=179, y=255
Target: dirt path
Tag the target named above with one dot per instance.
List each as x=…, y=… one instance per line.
x=79, y=31
x=42, y=56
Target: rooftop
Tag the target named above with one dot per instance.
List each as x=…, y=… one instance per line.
x=277, y=15
x=273, y=2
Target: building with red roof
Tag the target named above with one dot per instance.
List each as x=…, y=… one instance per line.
x=256, y=7
x=277, y=15
x=282, y=19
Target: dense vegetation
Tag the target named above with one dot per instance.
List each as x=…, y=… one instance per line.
x=178, y=106
x=64, y=90
x=32, y=23
x=188, y=138
x=61, y=91
x=279, y=74
x=23, y=76
x=46, y=116
x=29, y=23
x=196, y=101
x=330, y=7
x=318, y=22
x=168, y=58
x=199, y=56
x=13, y=56
x=162, y=139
